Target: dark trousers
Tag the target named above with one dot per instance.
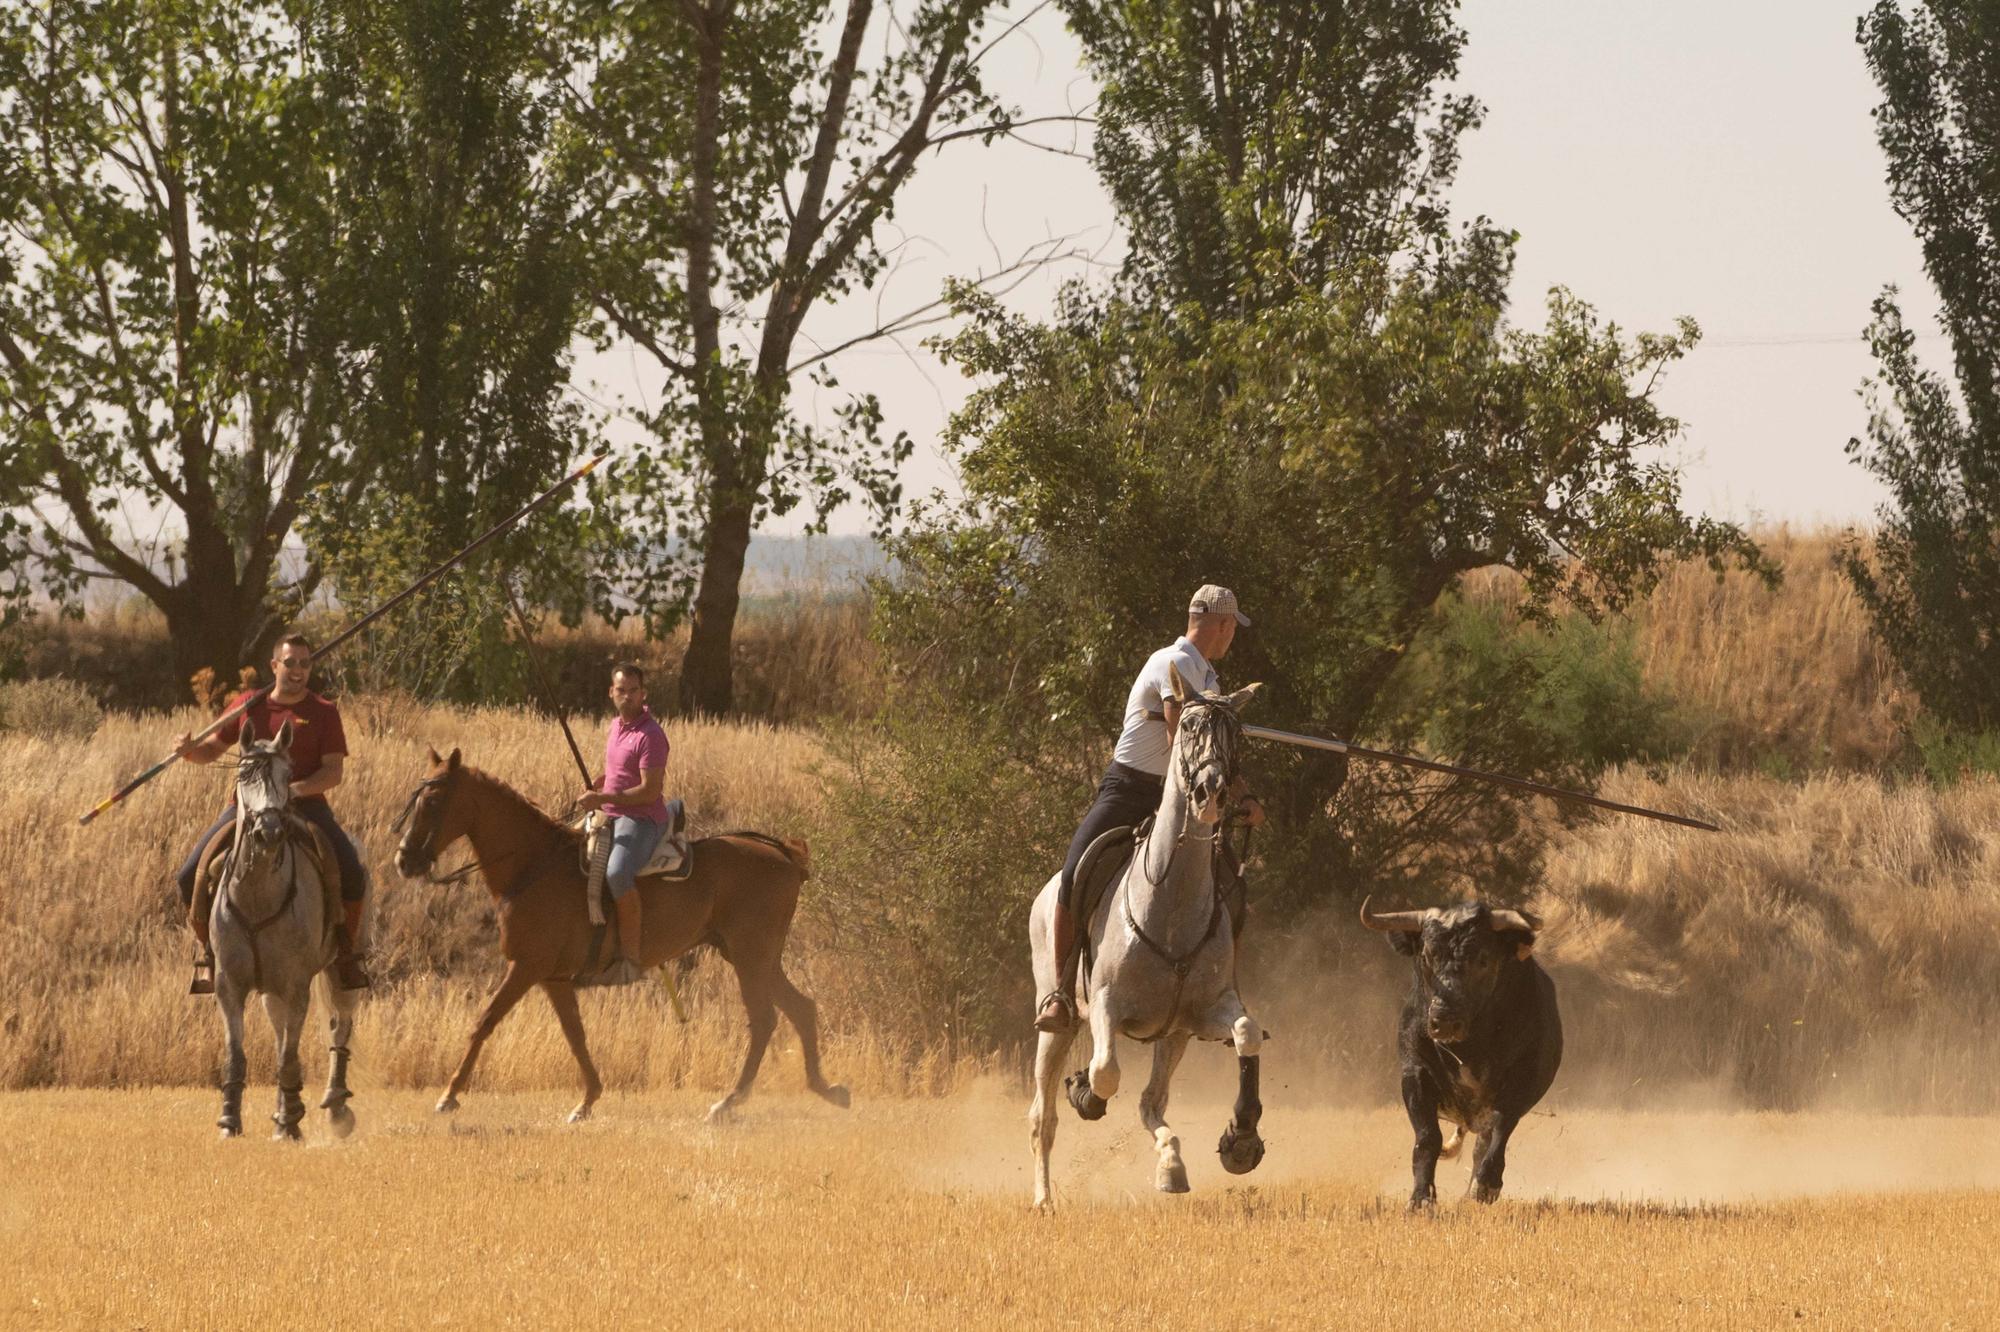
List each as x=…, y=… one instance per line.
x=353, y=880
x=1124, y=797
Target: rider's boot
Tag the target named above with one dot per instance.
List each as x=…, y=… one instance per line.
x=347, y=970
x=1058, y=1011
x=204, y=966
x=628, y=967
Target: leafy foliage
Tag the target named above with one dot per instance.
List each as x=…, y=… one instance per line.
x=1933, y=586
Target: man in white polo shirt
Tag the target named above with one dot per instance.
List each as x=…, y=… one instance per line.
x=1133, y=784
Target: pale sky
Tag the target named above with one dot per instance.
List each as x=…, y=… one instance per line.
x=1713, y=158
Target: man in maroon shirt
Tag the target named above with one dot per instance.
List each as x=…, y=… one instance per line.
x=319, y=757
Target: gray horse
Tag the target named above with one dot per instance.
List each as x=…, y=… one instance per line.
x=1162, y=960
x=272, y=930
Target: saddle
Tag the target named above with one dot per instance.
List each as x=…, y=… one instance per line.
x=1106, y=857
x=671, y=859
x=214, y=864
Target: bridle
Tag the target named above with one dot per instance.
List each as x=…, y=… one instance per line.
x=471, y=867
x=427, y=850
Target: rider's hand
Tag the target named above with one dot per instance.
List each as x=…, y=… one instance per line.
x=1251, y=811
x=183, y=744
x=590, y=800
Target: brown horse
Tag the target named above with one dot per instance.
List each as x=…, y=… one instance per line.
x=739, y=897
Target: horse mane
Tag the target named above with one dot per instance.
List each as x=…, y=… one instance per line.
x=527, y=806
x=794, y=850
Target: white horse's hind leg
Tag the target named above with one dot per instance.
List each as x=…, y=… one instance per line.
x=1171, y=1177
x=230, y=1000
x=340, y=1005
x=288, y=1021
x=1050, y=1048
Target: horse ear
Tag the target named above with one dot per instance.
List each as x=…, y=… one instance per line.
x=248, y=731
x=285, y=734
x=1243, y=695
x=452, y=762
x=1177, y=688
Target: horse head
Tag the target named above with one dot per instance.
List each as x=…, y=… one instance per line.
x=264, y=783
x=1206, y=744
x=430, y=821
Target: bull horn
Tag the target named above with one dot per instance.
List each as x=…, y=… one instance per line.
x=1384, y=922
x=1506, y=919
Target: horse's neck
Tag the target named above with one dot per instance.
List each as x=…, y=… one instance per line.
x=1169, y=882
x=506, y=833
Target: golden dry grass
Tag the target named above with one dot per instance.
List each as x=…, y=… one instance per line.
x=120, y=1209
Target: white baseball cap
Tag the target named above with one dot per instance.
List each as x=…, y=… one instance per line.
x=1212, y=600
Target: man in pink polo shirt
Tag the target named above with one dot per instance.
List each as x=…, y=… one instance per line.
x=631, y=795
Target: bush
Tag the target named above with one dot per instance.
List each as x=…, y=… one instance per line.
x=49, y=709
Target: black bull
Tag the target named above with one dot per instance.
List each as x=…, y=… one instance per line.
x=1480, y=1039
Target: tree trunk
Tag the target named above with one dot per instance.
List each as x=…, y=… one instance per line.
x=707, y=682
x=207, y=630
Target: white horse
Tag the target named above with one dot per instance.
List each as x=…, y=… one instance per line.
x=271, y=924
x=1162, y=960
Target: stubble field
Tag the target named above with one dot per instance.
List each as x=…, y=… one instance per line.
x=121, y=1210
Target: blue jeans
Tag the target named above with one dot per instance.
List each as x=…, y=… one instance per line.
x=633, y=842
x=353, y=879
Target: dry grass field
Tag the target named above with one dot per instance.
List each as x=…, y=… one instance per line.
x=121, y=1210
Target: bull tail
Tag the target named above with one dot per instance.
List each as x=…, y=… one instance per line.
x=1449, y=1152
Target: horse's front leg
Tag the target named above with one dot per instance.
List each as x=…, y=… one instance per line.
x=1240, y=1147
x=562, y=997
x=229, y=998
x=340, y=1006
x=288, y=1023
x=1050, y=1047
x=512, y=986
x=1171, y=1176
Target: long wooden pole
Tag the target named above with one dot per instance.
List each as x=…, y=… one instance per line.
x=344, y=635
x=1452, y=769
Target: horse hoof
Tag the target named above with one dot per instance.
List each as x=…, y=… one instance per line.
x=721, y=1112
x=1240, y=1153
x=286, y=1133
x=341, y=1121
x=1087, y=1103
x=447, y=1104
x=837, y=1095
x=578, y=1115
x=1171, y=1179
x=1485, y=1193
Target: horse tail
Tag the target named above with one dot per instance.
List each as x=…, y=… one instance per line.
x=793, y=849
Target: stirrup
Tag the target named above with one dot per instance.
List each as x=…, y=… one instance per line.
x=1052, y=1023
x=204, y=976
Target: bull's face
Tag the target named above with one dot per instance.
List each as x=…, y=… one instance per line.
x=1460, y=954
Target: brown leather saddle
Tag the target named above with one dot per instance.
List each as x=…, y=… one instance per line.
x=214, y=863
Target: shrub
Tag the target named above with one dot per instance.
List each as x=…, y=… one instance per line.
x=51, y=709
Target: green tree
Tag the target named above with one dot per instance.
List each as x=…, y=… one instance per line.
x=162, y=216
x=271, y=270
x=1305, y=387
x=1932, y=583
x=751, y=154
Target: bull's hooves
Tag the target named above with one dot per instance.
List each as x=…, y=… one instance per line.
x=1485, y=1193
x=579, y=1115
x=1240, y=1155
x=447, y=1104
x=838, y=1095
x=721, y=1112
x=1171, y=1179
x=341, y=1121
